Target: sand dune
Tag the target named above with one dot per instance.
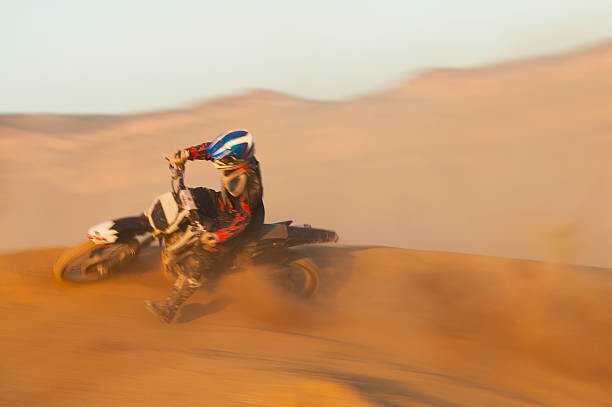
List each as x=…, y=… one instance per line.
x=509, y=160
x=388, y=327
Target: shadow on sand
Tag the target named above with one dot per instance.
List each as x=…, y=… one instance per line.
x=194, y=311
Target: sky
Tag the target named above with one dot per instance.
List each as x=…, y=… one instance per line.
x=94, y=56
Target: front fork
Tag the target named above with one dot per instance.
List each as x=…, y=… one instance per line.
x=126, y=252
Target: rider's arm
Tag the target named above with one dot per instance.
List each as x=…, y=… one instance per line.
x=242, y=216
x=198, y=152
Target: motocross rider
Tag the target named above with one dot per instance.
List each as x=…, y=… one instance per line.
x=237, y=209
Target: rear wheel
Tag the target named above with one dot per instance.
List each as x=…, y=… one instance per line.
x=90, y=262
x=302, y=276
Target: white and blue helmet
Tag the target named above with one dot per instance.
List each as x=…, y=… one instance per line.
x=231, y=149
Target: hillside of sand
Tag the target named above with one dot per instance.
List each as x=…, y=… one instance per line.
x=389, y=327
x=509, y=160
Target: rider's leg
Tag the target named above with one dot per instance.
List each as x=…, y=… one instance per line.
x=183, y=288
x=244, y=246
x=243, y=254
x=194, y=271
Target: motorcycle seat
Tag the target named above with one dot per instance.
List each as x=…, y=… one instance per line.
x=274, y=231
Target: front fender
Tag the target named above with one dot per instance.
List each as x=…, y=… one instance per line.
x=119, y=230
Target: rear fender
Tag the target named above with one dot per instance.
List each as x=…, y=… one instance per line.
x=298, y=235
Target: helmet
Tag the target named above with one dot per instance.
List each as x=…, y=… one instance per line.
x=231, y=149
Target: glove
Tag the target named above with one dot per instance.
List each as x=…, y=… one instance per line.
x=199, y=152
x=180, y=157
x=209, y=239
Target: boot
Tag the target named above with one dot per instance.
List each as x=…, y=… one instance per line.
x=182, y=290
x=160, y=309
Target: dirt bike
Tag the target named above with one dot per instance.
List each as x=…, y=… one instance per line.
x=176, y=223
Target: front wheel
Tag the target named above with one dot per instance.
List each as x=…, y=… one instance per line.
x=89, y=262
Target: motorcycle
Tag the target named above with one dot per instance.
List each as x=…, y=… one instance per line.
x=176, y=222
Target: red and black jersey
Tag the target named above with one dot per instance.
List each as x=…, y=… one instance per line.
x=242, y=214
x=235, y=215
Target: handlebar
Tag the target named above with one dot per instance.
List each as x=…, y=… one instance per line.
x=177, y=175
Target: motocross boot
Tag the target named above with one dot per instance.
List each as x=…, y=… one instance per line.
x=182, y=290
x=160, y=309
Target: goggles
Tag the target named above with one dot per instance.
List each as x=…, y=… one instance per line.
x=227, y=162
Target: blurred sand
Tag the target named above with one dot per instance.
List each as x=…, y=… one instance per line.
x=509, y=160
x=389, y=327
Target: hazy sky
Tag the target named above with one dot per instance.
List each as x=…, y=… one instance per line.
x=134, y=55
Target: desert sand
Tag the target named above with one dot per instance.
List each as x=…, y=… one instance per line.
x=505, y=161
x=388, y=327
